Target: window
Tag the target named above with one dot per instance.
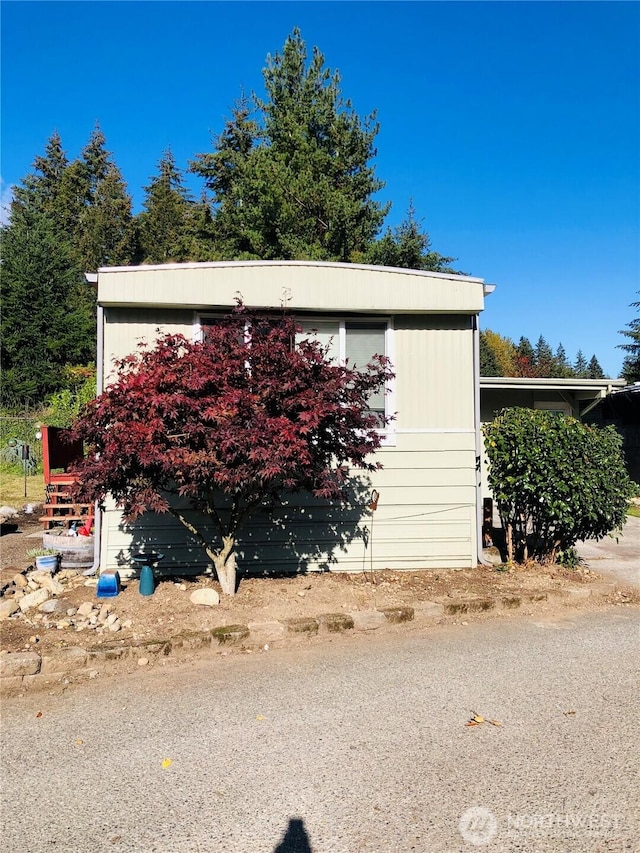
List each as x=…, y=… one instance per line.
x=353, y=339
x=356, y=341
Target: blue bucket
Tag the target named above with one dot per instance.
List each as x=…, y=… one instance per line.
x=108, y=585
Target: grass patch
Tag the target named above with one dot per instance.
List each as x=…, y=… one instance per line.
x=633, y=510
x=12, y=487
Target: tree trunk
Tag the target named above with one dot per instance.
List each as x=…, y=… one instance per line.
x=224, y=562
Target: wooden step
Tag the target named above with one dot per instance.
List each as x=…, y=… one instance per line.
x=62, y=520
x=63, y=510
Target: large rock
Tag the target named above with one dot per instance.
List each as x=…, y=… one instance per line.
x=19, y=663
x=206, y=596
x=46, y=581
x=8, y=606
x=33, y=599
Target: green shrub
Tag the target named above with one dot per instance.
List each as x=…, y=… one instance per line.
x=555, y=481
x=64, y=406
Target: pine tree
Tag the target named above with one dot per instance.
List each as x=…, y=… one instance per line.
x=631, y=364
x=38, y=191
x=105, y=229
x=580, y=367
x=561, y=366
x=408, y=246
x=543, y=358
x=525, y=358
x=44, y=327
x=165, y=227
x=488, y=361
x=295, y=182
x=594, y=370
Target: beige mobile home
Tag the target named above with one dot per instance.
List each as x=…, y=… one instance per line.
x=429, y=502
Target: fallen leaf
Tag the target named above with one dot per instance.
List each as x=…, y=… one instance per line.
x=259, y=717
x=79, y=742
x=39, y=714
x=166, y=763
x=472, y=723
x=476, y=717
x=495, y=722
x=569, y=713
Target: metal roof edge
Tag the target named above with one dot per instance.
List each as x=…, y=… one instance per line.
x=327, y=264
x=549, y=384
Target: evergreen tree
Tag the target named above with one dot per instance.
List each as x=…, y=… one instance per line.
x=488, y=361
x=38, y=191
x=631, y=364
x=561, y=366
x=408, y=246
x=165, y=227
x=594, y=370
x=525, y=358
x=543, y=358
x=580, y=368
x=105, y=229
x=296, y=182
x=44, y=326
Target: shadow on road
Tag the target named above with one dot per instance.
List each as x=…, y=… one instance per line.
x=295, y=840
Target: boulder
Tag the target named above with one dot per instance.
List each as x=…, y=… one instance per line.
x=33, y=599
x=207, y=596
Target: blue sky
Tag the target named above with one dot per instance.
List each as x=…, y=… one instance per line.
x=514, y=127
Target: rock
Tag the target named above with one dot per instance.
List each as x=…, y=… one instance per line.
x=19, y=663
x=50, y=583
x=20, y=581
x=71, y=611
x=31, y=584
x=127, y=623
x=62, y=624
x=367, y=620
x=85, y=608
x=64, y=660
x=206, y=596
x=110, y=619
x=8, y=607
x=267, y=631
x=115, y=626
x=143, y=661
x=54, y=605
x=33, y=599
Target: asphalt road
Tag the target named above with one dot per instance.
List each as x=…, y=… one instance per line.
x=358, y=744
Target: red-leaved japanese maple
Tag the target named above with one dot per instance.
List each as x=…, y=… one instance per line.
x=231, y=424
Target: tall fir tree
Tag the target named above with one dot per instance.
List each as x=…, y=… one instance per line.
x=580, y=367
x=631, y=363
x=594, y=370
x=106, y=235
x=296, y=181
x=543, y=358
x=165, y=227
x=489, y=365
x=525, y=358
x=409, y=247
x=44, y=326
x=561, y=366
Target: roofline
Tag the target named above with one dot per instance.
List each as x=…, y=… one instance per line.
x=550, y=384
x=328, y=264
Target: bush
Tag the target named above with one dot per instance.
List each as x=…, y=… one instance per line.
x=555, y=481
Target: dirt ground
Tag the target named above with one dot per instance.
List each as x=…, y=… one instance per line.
x=169, y=610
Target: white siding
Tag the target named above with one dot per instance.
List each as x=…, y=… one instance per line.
x=425, y=519
x=426, y=516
